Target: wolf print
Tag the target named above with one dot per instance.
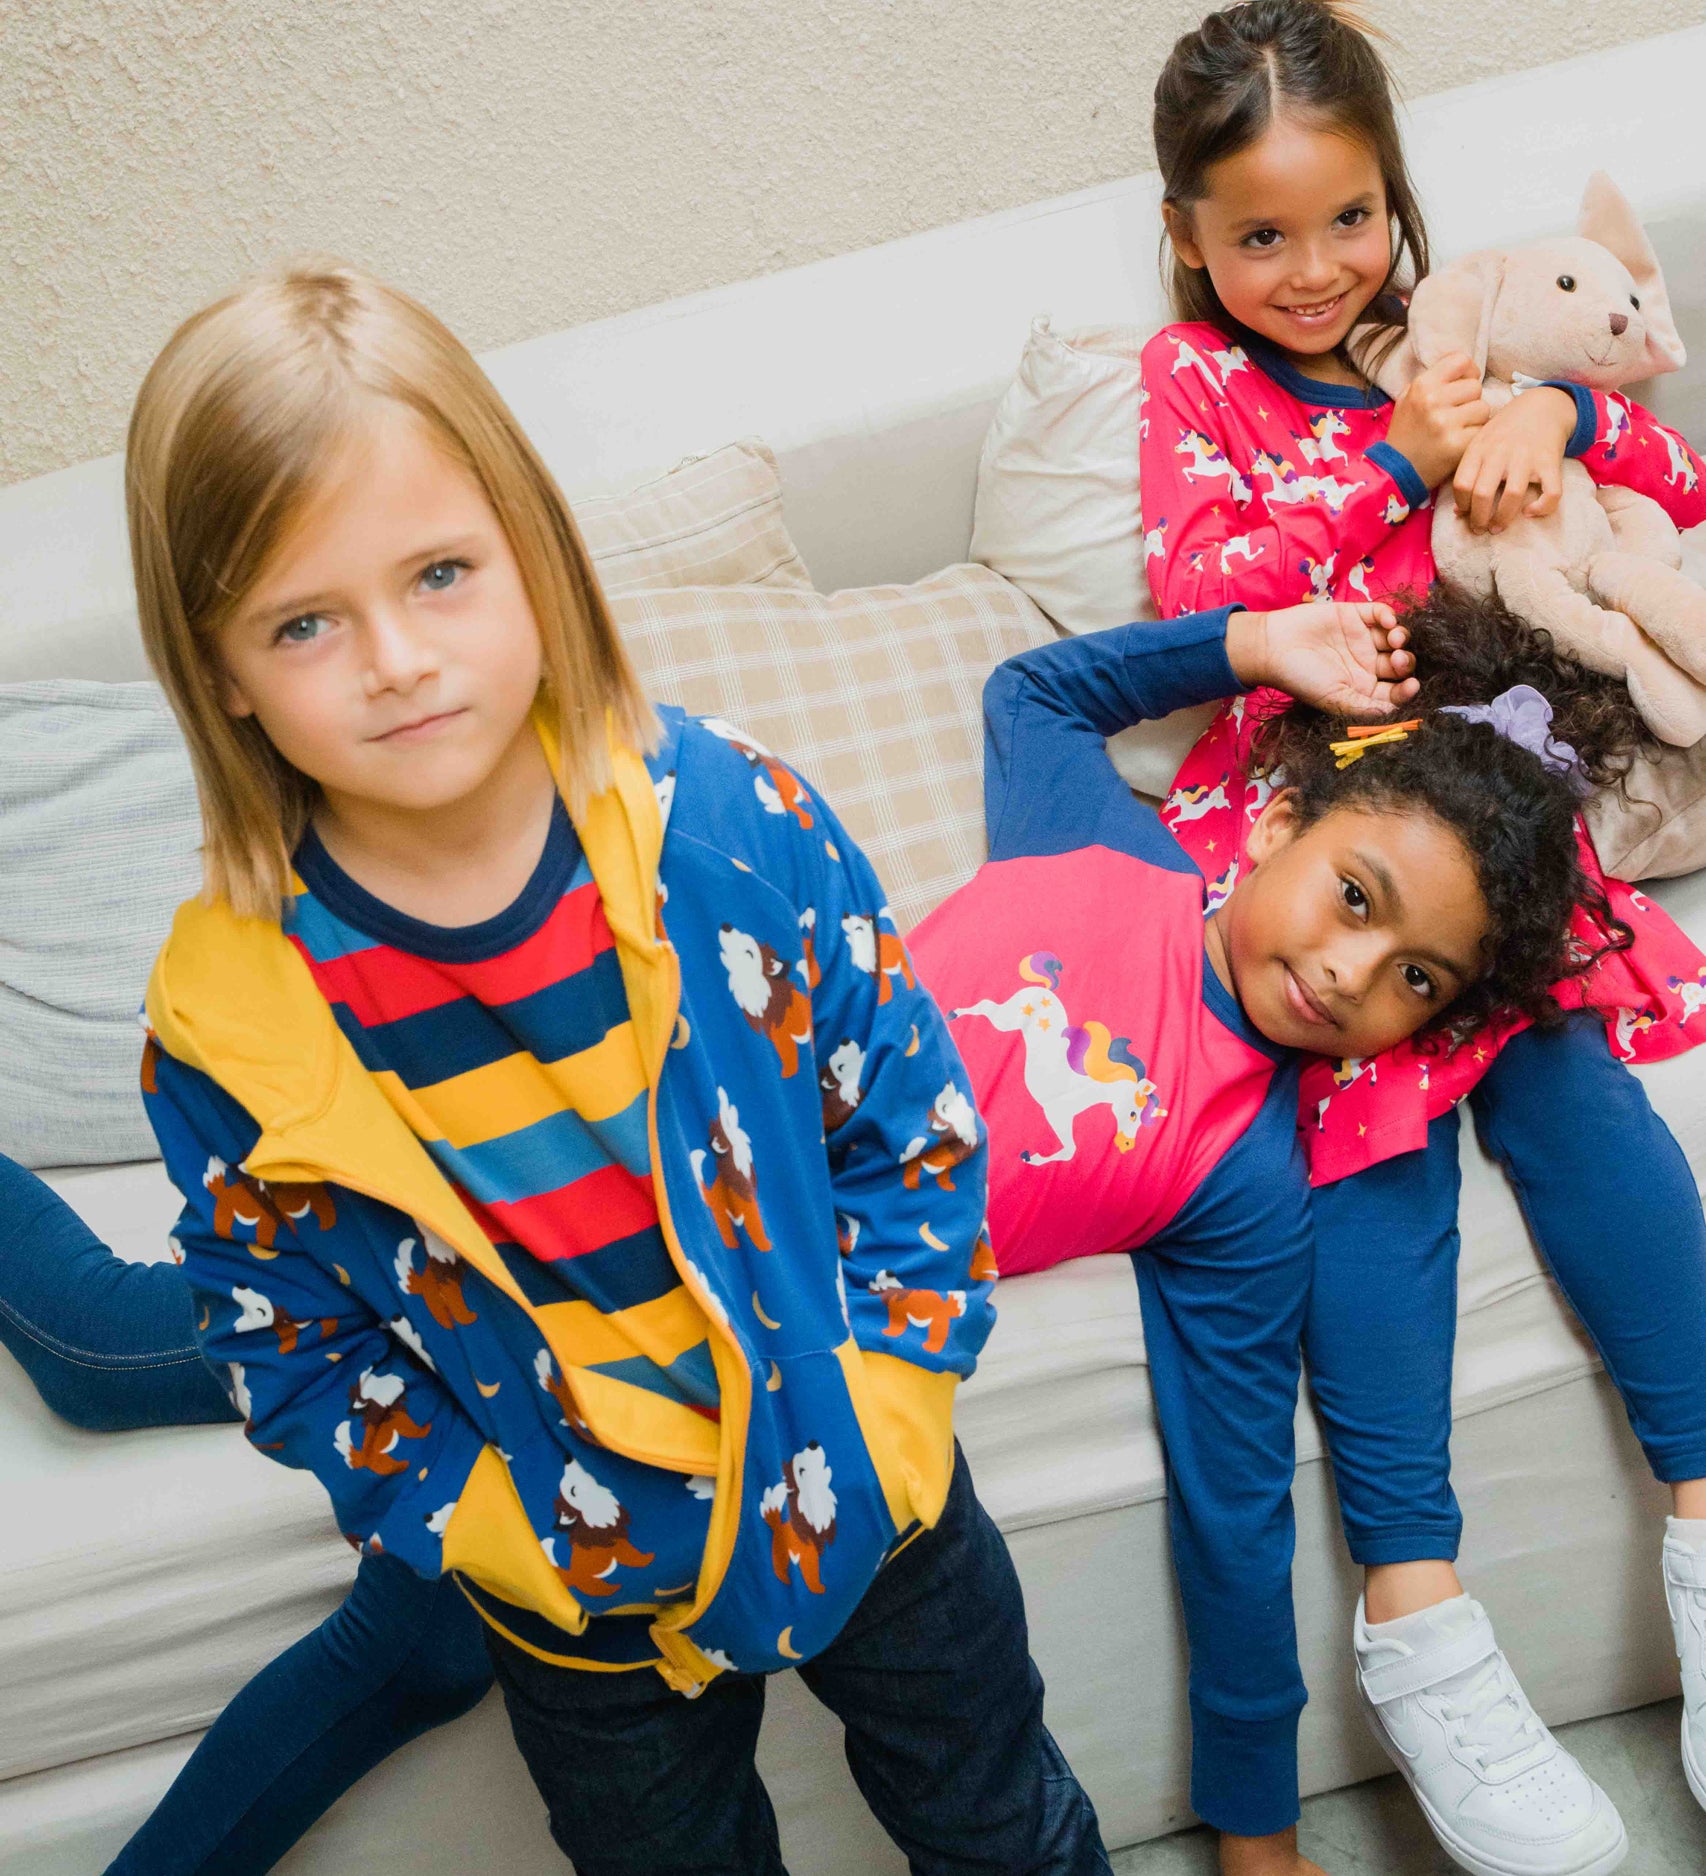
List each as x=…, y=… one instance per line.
x=1692, y=991
x=593, y=1527
x=1208, y=464
x=878, y=953
x=1070, y=1068
x=933, y=1311
x=762, y=982
x=1192, y=804
x=240, y=1199
x=261, y=1312
x=984, y=1268
x=952, y=1139
x=847, y=1229
x=800, y=1510
x=556, y=1385
x=808, y=965
x=778, y=789
x=838, y=1082
x=379, y=1422
x=732, y=1194
x=438, y=1283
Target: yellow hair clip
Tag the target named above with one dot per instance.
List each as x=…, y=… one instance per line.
x=1362, y=737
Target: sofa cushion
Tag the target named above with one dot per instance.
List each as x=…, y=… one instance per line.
x=714, y=521
x=98, y=844
x=874, y=693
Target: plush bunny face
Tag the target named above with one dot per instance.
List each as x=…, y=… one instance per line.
x=1568, y=309
x=1590, y=308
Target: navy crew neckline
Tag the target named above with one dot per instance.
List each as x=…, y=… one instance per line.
x=1309, y=390
x=1229, y=1012
x=354, y=905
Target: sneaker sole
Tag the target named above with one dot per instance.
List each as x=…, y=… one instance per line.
x=1472, y=1860
x=1692, y=1772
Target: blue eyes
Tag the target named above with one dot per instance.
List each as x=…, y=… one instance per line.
x=302, y=631
x=306, y=627
x=442, y=575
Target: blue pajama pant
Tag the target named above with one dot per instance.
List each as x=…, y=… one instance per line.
x=1613, y=1207
x=111, y=1345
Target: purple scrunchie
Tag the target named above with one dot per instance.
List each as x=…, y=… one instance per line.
x=1522, y=716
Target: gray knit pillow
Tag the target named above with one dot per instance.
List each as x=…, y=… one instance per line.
x=99, y=839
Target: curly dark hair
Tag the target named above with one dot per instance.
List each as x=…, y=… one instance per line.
x=1515, y=818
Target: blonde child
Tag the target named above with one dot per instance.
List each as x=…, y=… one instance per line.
x=486, y=1065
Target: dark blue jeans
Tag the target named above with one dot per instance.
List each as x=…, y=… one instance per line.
x=932, y=1680
x=1613, y=1207
x=111, y=1345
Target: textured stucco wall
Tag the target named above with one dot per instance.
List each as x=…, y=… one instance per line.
x=528, y=164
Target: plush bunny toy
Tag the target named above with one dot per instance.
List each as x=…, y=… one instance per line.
x=1601, y=572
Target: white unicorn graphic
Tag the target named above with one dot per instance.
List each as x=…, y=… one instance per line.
x=1319, y=574
x=1322, y=442
x=1068, y=1068
x=1155, y=541
x=1692, y=991
x=1357, y=578
x=1397, y=510
x=1142, y=408
x=1681, y=467
x=1229, y=362
x=1239, y=547
x=1630, y=1023
x=1186, y=357
x=1191, y=804
x=1617, y=418
x=1208, y=464
x=1287, y=486
x=1262, y=790
x=1220, y=890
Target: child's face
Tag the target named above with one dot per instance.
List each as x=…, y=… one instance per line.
x=388, y=648
x=1346, y=936
x=1294, y=233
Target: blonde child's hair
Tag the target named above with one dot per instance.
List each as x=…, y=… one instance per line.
x=235, y=425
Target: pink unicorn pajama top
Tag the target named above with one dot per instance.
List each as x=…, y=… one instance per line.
x=1132, y=1107
x=1263, y=487
x=1267, y=487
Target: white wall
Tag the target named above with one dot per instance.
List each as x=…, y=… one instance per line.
x=528, y=164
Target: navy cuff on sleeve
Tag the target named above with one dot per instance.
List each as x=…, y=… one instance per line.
x=1586, y=432
x=1402, y=471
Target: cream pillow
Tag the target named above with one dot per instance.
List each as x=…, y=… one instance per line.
x=1058, y=509
x=714, y=521
x=875, y=693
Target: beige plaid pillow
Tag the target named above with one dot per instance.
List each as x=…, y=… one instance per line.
x=715, y=521
x=874, y=693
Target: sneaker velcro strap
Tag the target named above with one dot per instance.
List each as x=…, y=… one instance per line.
x=1413, y=1674
x=1685, y=1568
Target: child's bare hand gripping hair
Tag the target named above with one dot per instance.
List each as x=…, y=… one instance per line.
x=1346, y=660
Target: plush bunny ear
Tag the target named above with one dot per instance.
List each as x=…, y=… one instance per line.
x=1452, y=311
x=1607, y=218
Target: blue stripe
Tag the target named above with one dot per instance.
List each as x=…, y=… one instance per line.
x=454, y=1038
x=323, y=936
x=690, y=1377
x=548, y=1156
x=619, y=1275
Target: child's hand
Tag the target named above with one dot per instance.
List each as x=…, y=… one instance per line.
x=1347, y=659
x=1523, y=445
x=1435, y=418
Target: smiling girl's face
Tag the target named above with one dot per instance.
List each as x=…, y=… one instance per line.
x=388, y=648
x=1295, y=234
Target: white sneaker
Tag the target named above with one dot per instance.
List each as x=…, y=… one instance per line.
x=1685, y=1593
x=1498, y=1791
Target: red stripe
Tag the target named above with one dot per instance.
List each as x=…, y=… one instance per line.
x=594, y=1211
x=380, y=985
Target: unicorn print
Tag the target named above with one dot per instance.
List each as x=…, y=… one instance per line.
x=1348, y=1070
x=1260, y=793
x=1397, y=510
x=1070, y=1068
x=1287, y=486
x=1186, y=357
x=1155, y=541
x=1322, y=442
x=1220, y=890
x=1229, y=362
x=1692, y=991
x=1142, y=408
x=1681, y=468
x=1357, y=578
x=1617, y=423
x=1319, y=574
x=1239, y=547
x=1191, y=804
x=1208, y=464
x=1630, y=1024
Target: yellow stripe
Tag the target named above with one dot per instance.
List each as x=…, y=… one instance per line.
x=505, y=1096
x=663, y=1329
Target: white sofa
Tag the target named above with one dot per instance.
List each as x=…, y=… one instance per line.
x=144, y=1576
